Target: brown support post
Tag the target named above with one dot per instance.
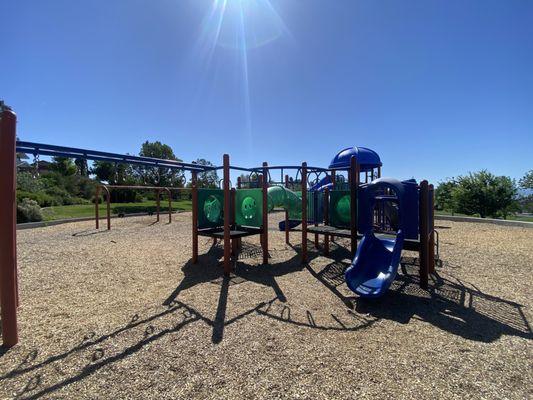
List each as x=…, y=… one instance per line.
x=326, y=220
x=239, y=182
x=157, y=203
x=108, y=207
x=96, y=207
x=423, y=226
x=354, y=185
x=8, y=224
x=227, y=236
x=194, y=195
x=169, y=205
x=304, y=213
x=379, y=172
x=265, y=213
x=315, y=212
x=287, y=230
x=431, y=227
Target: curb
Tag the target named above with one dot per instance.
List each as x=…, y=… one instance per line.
x=502, y=222
x=41, y=224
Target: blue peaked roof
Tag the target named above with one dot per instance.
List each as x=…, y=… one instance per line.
x=366, y=158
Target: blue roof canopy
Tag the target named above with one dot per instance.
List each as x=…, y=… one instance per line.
x=366, y=158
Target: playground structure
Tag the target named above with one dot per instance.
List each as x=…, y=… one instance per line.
x=107, y=189
x=328, y=205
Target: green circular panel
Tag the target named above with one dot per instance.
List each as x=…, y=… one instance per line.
x=248, y=208
x=343, y=209
x=212, y=209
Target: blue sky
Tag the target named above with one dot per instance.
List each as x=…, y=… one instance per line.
x=437, y=88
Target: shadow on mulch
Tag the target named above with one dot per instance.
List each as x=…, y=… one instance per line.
x=451, y=306
x=454, y=307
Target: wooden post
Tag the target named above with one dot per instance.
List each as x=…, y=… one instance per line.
x=304, y=213
x=96, y=207
x=431, y=228
x=194, y=195
x=8, y=224
x=108, y=207
x=265, y=213
x=326, y=220
x=287, y=230
x=157, y=203
x=354, y=186
x=227, y=236
x=424, y=239
x=169, y=205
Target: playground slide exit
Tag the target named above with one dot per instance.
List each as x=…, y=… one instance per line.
x=375, y=265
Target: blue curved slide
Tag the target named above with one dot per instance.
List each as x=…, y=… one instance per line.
x=375, y=265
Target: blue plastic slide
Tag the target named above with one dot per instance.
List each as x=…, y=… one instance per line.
x=375, y=265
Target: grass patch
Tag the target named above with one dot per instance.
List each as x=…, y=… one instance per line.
x=87, y=210
x=525, y=218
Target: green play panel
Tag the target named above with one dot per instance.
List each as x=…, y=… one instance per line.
x=210, y=208
x=249, y=207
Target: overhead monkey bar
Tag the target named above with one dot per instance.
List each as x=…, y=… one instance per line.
x=94, y=155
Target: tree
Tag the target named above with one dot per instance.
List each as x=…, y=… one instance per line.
x=526, y=182
x=81, y=166
x=485, y=194
x=208, y=179
x=63, y=165
x=159, y=176
x=444, y=194
x=113, y=173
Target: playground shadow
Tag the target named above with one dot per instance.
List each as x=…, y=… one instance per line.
x=451, y=305
x=39, y=383
x=208, y=270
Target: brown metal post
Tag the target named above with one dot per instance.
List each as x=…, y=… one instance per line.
x=265, y=213
x=354, y=185
x=304, y=213
x=287, y=230
x=423, y=226
x=194, y=195
x=157, y=203
x=227, y=235
x=8, y=224
x=97, y=207
x=239, y=182
x=379, y=172
x=169, y=205
x=108, y=207
x=431, y=228
x=326, y=220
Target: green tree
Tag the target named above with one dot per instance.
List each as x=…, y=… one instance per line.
x=526, y=182
x=485, y=194
x=114, y=173
x=208, y=179
x=444, y=194
x=63, y=165
x=159, y=176
x=82, y=168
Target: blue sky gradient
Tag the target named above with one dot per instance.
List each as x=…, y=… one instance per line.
x=437, y=88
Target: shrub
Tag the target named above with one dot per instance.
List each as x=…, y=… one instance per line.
x=29, y=211
x=43, y=199
x=485, y=194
